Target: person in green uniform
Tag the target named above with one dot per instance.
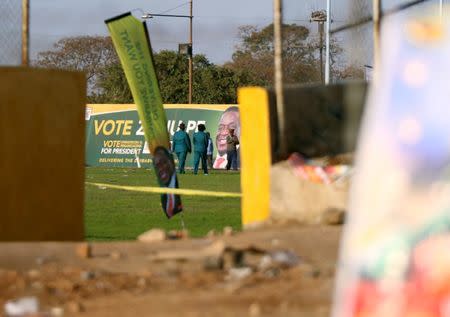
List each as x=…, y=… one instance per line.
x=200, y=144
x=181, y=145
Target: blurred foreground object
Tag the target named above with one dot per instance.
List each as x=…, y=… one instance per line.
x=392, y=259
x=306, y=191
x=320, y=120
x=42, y=116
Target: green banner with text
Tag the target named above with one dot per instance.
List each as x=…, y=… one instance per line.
x=115, y=136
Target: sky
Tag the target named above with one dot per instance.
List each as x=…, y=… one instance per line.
x=215, y=29
x=215, y=26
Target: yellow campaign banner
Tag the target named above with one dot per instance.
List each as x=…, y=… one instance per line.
x=130, y=38
x=132, y=43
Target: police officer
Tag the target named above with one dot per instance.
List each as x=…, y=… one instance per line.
x=181, y=145
x=200, y=144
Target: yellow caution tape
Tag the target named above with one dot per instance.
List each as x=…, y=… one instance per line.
x=166, y=190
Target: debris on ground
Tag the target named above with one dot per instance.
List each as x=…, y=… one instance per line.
x=215, y=249
x=116, y=255
x=21, y=307
x=334, y=216
x=84, y=250
x=238, y=273
x=269, y=272
x=211, y=234
x=283, y=258
x=178, y=234
x=75, y=307
x=227, y=231
x=153, y=235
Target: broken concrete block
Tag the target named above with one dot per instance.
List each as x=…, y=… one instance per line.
x=153, y=235
x=84, y=250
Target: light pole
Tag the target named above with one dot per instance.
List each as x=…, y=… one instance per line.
x=328, y=44
x=190, y=53
x=278, y=61
x=191, y=70
x=377, y=16
x=320, y=17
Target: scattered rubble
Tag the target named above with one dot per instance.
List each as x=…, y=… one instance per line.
x=153, y=235
x=238, y=273
x=254, y=310
x=227, y=231
x=334, y=216
x=116, y=255
x=57, y=312
x=284, y=258
x=21, y=307
x=75, y=307
x=177, y=234
x=84, y=250
x=213, y=263
x=229, y=269
x=211, y=234
x=215, y=249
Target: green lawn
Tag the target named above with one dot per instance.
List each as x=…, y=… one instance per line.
x=112, y=214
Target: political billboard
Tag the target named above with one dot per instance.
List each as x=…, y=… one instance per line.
x=115, y=137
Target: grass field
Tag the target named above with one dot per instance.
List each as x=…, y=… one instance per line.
x=112, y=214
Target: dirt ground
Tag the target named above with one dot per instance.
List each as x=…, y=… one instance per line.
x=277, y=271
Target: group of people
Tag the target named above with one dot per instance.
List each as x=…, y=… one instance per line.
x=203, y=148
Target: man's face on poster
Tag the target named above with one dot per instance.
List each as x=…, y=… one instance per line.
x=164, y=165
x=229, y=120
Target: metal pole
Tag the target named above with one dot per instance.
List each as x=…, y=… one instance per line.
x=25, y=32
x=278, y=43
x=440, y=9
x=322, y=80
x=191, y=53
x=327, y=44
x=376, y=33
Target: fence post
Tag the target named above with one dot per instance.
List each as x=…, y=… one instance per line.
x=256, y=158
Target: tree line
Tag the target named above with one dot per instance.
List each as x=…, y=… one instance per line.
x=251, y=65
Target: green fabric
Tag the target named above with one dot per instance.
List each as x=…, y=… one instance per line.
x=200, y=155
x=181, y=160
x=200, y=140
x=181, y=142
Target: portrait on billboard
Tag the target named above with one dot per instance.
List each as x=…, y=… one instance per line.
x=230, y=119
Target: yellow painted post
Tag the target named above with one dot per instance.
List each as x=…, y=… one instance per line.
x=255, y=151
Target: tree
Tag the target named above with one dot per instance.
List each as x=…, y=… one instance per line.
x=350, y=72
x=252, y=64
x=212, y=83
x=90, y=54
x=255, y=55
x=256, y=50
x=113, y=86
